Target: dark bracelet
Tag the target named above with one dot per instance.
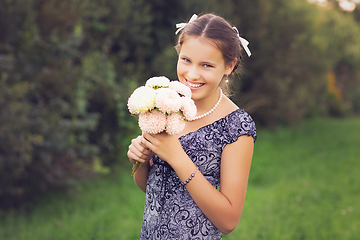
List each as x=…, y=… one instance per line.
x=191, y=176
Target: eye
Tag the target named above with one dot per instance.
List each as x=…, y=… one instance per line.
x=208, y=66
x=186, y=60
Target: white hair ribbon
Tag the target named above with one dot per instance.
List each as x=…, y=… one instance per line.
x=243, y=42
x=181, y=26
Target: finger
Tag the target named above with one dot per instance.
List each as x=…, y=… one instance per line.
x=137, y=143
x=148, y=137
x=144, y=149
x=134, y=155
x=137, y=155
x=147, y=143
x=140, y=152
x=143, y=145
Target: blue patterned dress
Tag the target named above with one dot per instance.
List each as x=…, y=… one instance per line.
x=170, y=212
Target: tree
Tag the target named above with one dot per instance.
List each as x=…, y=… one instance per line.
x=67, y=69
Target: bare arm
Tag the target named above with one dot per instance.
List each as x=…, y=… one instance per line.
x=224, y=207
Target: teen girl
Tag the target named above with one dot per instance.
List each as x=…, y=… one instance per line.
x=195, y=182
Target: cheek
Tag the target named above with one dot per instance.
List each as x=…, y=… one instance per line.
x=178, y=65
x=179, y=69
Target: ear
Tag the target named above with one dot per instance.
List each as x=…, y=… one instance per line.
x=230, y=67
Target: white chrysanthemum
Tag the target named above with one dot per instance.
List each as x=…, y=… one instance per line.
x=167, y=100
x=141, y=100
x=157, y=82
x=180, y=88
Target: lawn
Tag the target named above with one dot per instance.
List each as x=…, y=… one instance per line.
x=304, y=184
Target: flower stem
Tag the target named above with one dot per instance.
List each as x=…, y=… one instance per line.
x=134, y=167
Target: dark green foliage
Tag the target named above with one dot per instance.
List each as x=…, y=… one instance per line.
x=67, y=69
x=295, y=46
x=44, y=138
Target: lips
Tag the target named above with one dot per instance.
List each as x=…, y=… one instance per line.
x=194, y=85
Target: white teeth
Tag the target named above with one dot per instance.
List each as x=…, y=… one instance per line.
x=195, y=85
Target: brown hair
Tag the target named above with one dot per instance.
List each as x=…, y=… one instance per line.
x=219, y=31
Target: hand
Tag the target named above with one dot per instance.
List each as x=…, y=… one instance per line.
x=138, y=152
x=166, y=146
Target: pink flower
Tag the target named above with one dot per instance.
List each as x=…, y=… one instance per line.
x=157, y=82
x=167, y=100
x=153, y=122
x=162, y=106
x=188, y=108
x=180, y=88
x=175, y=124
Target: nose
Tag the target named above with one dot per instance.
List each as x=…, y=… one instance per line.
x=193, y=73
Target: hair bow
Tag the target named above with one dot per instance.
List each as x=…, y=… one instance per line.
x=243, y=42
x=181, y=26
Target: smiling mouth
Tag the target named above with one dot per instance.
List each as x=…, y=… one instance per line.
x=194, y=85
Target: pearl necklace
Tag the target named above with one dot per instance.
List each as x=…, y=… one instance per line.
x=211, y=110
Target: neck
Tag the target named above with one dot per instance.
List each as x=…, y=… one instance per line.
x=207, y=105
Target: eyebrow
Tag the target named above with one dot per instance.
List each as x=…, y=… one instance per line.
x=183, y=55
x=202, y=62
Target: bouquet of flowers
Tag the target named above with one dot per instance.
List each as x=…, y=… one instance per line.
x=162, y=105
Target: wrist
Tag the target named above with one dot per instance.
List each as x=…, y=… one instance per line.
x=180, y=161
x=189, y=178
x=184, y=167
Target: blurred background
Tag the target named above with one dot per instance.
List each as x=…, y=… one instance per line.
x=67, y=69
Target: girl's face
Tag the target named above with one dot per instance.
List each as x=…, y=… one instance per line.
x=201, y=67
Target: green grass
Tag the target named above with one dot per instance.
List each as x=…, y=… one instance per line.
x=108, y=208
x=304, y=184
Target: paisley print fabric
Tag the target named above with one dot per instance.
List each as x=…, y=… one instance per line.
x=170, y=212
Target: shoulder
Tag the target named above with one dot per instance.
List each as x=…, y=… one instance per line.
x=235, y=125
x=238, y=123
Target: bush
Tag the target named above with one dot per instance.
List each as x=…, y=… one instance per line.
x=68, y=67
x=44, y=134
